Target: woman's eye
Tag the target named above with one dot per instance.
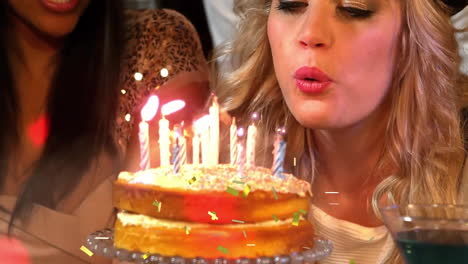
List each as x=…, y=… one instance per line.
x=355, y=12
x=291, y=6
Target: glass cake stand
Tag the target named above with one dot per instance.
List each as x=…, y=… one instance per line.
x=102, y=243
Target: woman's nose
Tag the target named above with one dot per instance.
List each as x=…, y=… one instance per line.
x=315, y=30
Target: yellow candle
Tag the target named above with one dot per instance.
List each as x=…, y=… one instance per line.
x=214, y=132
x=251, y=141
x=233, y=141
x=164, y=142
x=202, y=127
x=195, y=147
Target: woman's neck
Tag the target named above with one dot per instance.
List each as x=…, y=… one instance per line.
x=348, y=157
x=31, y=52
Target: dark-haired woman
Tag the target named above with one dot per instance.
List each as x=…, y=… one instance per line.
x=69, y=103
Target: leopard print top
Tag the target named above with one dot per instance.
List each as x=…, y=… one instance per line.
x=156, y=40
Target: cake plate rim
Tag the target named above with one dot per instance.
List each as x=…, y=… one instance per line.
x=101, y=243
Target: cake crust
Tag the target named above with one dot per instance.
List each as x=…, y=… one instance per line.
x=202, y=240
x=193, y=206
x=190, y=202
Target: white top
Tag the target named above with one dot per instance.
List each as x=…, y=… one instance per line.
x=460, y=21
x=222, y=20
x=352, y=242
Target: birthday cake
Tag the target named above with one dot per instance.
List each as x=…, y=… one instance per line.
x=212, y=211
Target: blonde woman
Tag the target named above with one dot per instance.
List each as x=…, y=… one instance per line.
x=371, y=96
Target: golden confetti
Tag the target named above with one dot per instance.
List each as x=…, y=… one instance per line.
x=123, y=91
x=251, y=245
x=295, y=162
x=187, y=230
x=243, y=232
x=145, y=256
x=158, y=204
x=194, y=179
x=238, y=221
x=246, y=190
x=86, y=251
x=213, y=215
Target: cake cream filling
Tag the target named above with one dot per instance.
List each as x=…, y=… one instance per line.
x=217, y=178
x=130, y=219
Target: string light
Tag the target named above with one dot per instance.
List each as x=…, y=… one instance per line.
x=138, y=76
x=128, y=117
x=164, y=72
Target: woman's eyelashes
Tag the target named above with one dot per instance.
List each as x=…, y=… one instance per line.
x=355, y=8
x=291, y=7
x=354, y=12
x=350, y=8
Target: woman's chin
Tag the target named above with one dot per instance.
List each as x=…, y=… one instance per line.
x=316, y=122
x=57, y=30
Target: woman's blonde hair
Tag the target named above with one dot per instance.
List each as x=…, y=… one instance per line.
x=424, y=128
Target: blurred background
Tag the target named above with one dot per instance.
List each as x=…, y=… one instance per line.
x=192, y=9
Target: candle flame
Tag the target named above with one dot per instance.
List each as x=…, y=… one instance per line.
x=255, y=116
x=240, y=132
x=172, y=107
x=150, y=109
x=202, y=122
x=281, y=131
x=177, y=131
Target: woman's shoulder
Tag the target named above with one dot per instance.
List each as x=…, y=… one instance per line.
x=161, y=38
x=162, y=17
x=156, y=39
x=159, y=26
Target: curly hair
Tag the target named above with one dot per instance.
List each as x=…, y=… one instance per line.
x=423, y=137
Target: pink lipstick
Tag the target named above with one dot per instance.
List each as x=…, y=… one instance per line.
x=60, y=6
x=311, y=80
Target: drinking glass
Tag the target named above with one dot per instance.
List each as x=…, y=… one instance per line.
x=429, y=234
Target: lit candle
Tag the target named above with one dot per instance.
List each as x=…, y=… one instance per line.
x=279, y=153
x=251, y=141
x=164, y=132
x=147, y=113
x=233, y=141
x=176, y=152
x=164, y=142
x=195, y=146
x=183, y=145
x=241, y=151
x=205, y=144
x=203, y=129
x=214, y=132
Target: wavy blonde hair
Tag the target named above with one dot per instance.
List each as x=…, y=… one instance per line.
x=424, y=130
